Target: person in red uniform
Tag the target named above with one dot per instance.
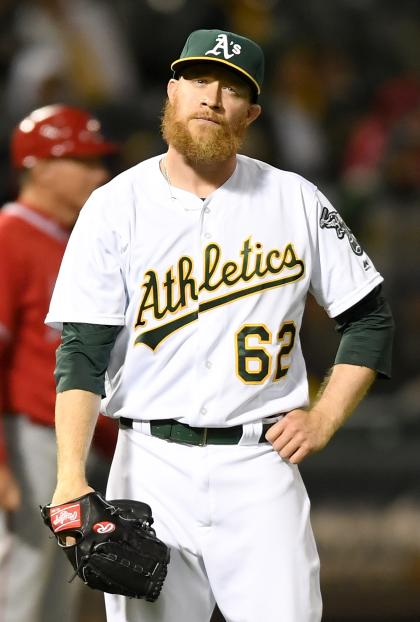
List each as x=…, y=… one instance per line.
x=58, y=151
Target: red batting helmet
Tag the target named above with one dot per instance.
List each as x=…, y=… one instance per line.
x=57, y=131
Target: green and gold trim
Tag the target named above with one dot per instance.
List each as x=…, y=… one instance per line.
x=186, y=60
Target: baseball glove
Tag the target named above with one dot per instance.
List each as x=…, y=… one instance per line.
x=115, y=548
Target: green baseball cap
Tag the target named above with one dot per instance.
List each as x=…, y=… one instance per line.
x=241, y=54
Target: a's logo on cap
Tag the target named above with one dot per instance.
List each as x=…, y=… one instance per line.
x=223, y=46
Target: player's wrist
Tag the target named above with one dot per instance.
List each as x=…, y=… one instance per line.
x=68, y=491
x=326, y=420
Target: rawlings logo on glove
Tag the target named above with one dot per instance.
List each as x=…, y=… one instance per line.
x=65, y=517
x=115, y=550
x=104, y=527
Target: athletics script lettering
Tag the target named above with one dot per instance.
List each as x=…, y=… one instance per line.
x=180, y=287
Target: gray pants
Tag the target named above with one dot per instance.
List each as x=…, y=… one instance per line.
x=34, y=573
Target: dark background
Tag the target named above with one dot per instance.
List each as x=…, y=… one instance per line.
x=341, y=106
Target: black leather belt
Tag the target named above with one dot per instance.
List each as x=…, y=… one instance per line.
x=172, y=430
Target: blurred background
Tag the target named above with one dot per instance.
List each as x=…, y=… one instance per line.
x=341, y=104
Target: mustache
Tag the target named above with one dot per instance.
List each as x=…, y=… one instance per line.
x=209, y=117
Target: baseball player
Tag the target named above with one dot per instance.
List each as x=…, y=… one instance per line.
x=180, y=299
x=57, y=153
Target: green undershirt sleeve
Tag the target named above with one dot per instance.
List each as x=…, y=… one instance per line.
x=367, y=331
x=83, y=356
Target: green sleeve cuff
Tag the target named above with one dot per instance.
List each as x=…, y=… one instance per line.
x=83, y=357
x=367, y=336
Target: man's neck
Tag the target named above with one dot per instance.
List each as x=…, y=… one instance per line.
x=199, y=178
x=43, y=202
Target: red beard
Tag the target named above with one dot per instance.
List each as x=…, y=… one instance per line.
x=214, y=143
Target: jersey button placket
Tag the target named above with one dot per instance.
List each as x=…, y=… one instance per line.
x=205, y=235
x=204, y=221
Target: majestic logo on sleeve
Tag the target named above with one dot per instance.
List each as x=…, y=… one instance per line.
x=255, y=271
x=223, y=45
x=333, y=220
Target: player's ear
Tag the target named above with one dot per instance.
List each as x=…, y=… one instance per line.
x=254, y=112
x=42, y=172
x=172, y=88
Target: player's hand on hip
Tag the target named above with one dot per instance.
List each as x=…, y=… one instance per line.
x=299, y=434
x=10, y=495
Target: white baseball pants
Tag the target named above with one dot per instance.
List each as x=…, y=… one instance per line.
x=236, y=518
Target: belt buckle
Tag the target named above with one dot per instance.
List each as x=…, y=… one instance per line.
x=203, y=442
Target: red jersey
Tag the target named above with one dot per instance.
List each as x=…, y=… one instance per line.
x=31, y=249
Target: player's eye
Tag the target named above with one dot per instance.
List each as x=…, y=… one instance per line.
x=231, y=89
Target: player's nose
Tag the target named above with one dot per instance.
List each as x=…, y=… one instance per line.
x=212, y=97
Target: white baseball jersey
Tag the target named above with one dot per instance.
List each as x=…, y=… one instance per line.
x=210, y=293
